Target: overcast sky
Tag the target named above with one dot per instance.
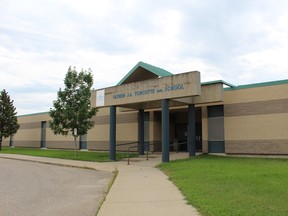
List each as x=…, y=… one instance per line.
x=239, y=41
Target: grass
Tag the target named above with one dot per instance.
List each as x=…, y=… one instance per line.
x=65, y=154
x=232, y=186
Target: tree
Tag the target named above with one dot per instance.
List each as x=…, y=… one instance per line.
x=72, y=110
x=8, y=119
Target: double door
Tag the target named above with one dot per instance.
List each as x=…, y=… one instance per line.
x=181, y=136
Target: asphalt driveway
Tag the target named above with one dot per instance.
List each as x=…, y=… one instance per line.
x=29, y=188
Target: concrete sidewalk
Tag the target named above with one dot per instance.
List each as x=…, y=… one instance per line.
x=139, y=189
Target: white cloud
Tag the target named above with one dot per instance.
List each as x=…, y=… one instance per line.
x=264, y=65
x=90, y=7
x=28, y=68
x=270, y=59
x=266, y=59
x=208, y=72
x=27, y=103
x=238, y=41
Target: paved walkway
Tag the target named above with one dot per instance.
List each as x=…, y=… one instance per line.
x=139, y=189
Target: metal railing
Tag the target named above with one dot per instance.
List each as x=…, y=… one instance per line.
x=129, y=143
x=147, y=152
x=178, y=144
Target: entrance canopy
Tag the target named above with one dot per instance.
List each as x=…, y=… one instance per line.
x=150, y=87
x=145, y=86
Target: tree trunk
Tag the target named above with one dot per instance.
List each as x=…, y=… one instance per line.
x=0, y=144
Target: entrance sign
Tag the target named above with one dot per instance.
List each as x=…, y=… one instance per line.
x=177, y=86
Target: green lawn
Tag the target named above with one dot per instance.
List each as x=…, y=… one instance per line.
x=232, y=186
x=65, y=154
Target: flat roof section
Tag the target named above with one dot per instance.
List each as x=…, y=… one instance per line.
x=257, y=85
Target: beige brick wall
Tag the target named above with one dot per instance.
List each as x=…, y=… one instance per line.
x=256, y=120
x=29, y=133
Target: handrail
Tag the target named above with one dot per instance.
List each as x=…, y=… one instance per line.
x=178, y=144
x=129, y=143
x=128, y=151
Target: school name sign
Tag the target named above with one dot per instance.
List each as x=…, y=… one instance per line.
x=177, y=86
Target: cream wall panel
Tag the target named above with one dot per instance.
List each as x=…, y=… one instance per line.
x=151, y=131
x=99, y=132
x=103, y=111
x=256, y=94
x=30, y=134
x=33, y=118
x=51, y=137
x=204, y=135
x=204, y=124
x=258, y=127
x=126, y=132
x=155, y=126
x=151, y=126
x=157, y=131
x=205, y=146
x=204, y=130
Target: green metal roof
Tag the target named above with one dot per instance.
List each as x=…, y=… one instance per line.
x=155, y=70
x=256, y=85
x=232, y=87
x=33, y=114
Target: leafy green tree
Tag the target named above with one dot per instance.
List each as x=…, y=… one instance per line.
x=72, y=111
x=8, y=119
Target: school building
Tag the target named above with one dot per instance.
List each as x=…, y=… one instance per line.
x=157, y=111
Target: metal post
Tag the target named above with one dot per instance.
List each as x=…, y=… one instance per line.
x=11, y=142
x=128, y=155
x=141, y=132
x=75, y=134
x=43, y=135
x=113, y=133
x=165, y=130
x=75, y=147
x=191, y=130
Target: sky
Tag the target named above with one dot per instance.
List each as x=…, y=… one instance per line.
x=239, y=41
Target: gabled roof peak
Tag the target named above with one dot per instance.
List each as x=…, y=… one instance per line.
x=143, y=71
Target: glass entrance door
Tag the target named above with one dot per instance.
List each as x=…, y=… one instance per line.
x=181, y=136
